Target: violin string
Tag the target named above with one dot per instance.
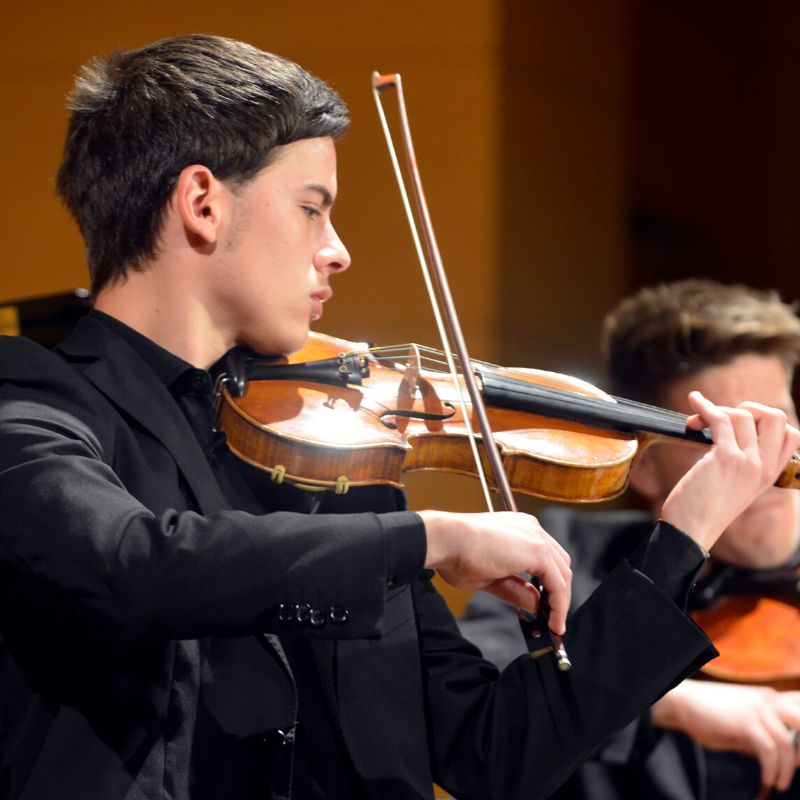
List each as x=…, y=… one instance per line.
x=666, y=413
x=673, y=423
x=434, y=356
x=654, y=411
x=672, y=419
x=515, y=393
x=633, y=413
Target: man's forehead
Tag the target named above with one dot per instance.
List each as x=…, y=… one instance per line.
x=750, y=376
x=311, y=162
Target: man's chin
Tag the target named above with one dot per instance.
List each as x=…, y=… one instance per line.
x=275, y=347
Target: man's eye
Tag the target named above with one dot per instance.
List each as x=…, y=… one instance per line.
x=310, y=211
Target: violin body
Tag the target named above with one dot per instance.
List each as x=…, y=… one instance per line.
x=758, y=639
x=322, y=436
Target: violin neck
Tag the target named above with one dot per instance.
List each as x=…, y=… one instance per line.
x=621, y=415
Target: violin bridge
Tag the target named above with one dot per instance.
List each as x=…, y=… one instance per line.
x=413, y=367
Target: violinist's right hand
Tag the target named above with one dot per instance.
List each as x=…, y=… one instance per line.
x=486, y=551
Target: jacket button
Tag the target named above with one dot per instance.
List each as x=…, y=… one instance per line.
x=317, y=618
x=303, y=613
x=338, y=615
x=286, y=613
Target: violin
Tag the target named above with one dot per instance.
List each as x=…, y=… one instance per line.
x=339, y=414
x=753, y=619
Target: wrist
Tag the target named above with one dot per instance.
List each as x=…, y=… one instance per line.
x=668, y=712
x=662, y=712
x=698, y=543
x=437, y=554
x=692, y=525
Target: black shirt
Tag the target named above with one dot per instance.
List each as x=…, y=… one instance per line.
x=321, y=766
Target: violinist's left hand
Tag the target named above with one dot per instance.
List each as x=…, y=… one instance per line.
x=752, y=444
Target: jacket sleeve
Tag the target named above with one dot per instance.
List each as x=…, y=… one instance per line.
x=521, y=733
x=78, y=551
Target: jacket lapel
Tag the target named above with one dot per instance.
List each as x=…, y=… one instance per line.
x=124, y=378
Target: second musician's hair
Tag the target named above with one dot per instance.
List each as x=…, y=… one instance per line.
x=674, y=330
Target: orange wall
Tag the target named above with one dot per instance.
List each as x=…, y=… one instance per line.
x=449, y=69
x=516, y=110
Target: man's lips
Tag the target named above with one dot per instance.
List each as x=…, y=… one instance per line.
x=317, y=299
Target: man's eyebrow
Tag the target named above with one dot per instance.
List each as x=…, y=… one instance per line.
x=327, y=198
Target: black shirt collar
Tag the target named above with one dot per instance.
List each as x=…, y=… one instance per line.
x=168, y=368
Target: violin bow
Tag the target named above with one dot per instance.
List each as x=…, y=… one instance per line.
x=450, y=331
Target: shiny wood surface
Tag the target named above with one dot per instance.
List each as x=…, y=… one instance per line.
x=758, y=639
x=320, y=435
x=319, y=432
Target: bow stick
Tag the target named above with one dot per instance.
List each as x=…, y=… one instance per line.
x=444, y=310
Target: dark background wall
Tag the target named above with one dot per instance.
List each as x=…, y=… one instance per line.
x=674, y=131
x=715, y=157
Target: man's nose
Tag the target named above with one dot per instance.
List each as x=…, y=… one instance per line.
x=333, y=256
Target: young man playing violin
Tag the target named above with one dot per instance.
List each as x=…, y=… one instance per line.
x=170, y=633
x=718, y=741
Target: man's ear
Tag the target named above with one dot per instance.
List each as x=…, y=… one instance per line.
x=198, y=198
x=643, y=476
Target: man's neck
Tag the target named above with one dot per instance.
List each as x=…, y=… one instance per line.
x=167, y=314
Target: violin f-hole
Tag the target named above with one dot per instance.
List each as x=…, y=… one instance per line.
x=411, y=414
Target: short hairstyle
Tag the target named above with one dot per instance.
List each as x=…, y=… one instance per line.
x=139, y=117
x=667, y=332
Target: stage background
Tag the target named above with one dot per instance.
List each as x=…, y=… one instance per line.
x=571, y=152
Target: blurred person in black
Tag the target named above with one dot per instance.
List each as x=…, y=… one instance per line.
x=701, y=740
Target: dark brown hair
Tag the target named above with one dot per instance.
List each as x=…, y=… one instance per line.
x=671, y=331
x=141, y=116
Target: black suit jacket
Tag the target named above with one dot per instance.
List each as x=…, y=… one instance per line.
x=119, y=604
x=641, y=761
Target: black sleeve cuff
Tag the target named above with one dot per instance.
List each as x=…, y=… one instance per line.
x=672, y=560
x=406, y=546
